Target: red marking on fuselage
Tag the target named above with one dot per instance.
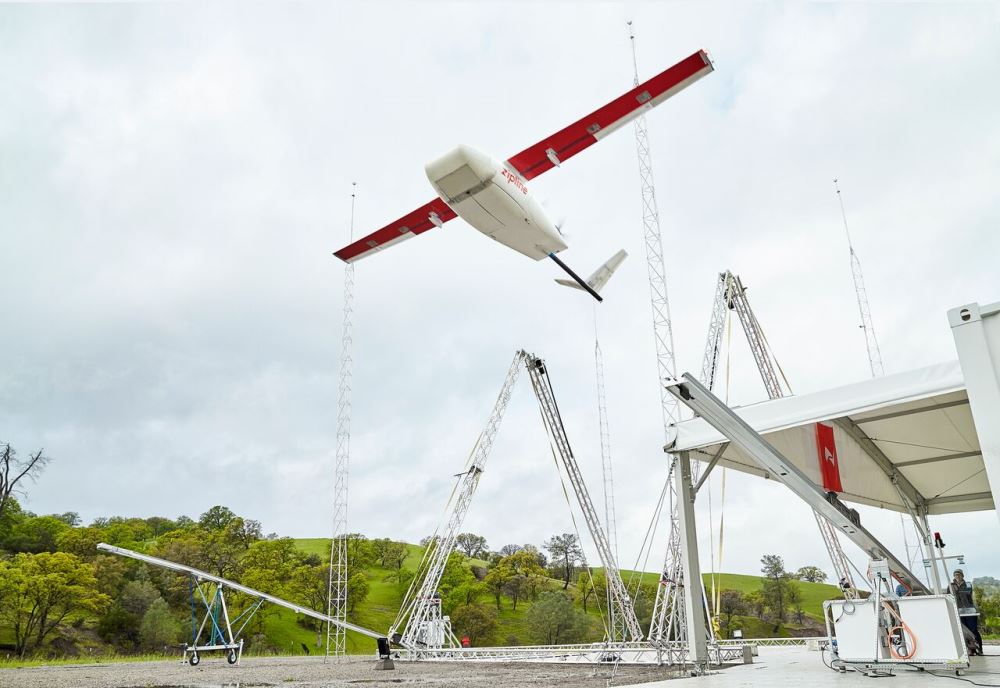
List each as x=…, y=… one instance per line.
x=514, y=179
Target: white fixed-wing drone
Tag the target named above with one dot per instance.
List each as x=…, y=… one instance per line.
x=493, y=197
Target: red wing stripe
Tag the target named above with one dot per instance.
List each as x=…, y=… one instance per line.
x=583, y=133
x=417, y=222
x=542, y=156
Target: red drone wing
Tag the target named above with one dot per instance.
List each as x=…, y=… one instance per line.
x=544, y=155
x=566, y=143
x=425, y=217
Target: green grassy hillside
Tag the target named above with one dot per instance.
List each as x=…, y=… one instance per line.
x=377, y=612
x=385, y=597
x=813, y=594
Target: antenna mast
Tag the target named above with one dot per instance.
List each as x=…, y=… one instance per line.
x=874, y=354
x=617, y=625
x=336, y=606
x=668, y=609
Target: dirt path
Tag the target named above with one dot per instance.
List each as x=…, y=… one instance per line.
x=301, y=671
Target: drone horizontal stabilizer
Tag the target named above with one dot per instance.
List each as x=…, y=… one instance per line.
x=601, y=275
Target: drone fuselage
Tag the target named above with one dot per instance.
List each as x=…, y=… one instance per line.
x=493, y=198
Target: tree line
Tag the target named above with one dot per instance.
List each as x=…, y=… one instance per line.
x=57, y=591
x=56, y=587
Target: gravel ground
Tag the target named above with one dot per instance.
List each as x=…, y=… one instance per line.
x=301, y=671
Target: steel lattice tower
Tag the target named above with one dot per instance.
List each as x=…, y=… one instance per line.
x=874, y=353
x=617, y=625
x=668, y=608
x=336, y=637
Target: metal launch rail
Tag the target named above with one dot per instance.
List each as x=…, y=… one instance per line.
x=229, y=641
x=699, y=399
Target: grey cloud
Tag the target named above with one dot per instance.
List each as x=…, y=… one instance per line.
x=174, y=178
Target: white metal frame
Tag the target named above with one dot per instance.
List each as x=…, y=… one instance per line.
x=216, y=610
x=976, y=330
x=673, y=653
x=694, y=601
x=435, y=629
x=700, y=400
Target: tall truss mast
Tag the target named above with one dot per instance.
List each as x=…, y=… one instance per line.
x=668, y=608
x=336, y=610
x=730, y=295
x=871, y=342
x=616, y=626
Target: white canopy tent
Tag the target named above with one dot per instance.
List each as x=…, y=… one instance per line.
x=907, y=442
x=907, y=435
x=926, y=441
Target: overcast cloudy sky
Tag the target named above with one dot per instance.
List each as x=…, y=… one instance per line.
x=174, y=178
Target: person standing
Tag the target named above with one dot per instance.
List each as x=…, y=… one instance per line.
x=967, y=611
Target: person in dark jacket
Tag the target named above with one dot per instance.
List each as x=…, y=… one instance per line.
x=967, y=611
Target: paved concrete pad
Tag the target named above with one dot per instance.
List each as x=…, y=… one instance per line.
x=797, y=667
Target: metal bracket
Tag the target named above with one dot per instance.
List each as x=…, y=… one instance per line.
x=711, y=464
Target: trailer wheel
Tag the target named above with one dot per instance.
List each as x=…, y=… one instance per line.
x=232, y=657
x=194, y=659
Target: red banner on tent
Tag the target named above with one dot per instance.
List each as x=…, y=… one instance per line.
x=829, y=467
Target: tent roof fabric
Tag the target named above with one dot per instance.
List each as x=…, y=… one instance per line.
x=916, y=424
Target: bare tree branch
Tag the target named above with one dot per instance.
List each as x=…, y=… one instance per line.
x=9, y=463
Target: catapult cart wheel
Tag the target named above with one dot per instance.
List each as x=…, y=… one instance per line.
x=194, y=659
x=232, y=657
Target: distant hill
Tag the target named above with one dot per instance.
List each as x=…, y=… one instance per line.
x=385, y=596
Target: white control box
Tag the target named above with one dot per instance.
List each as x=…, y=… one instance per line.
x=933, y=631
